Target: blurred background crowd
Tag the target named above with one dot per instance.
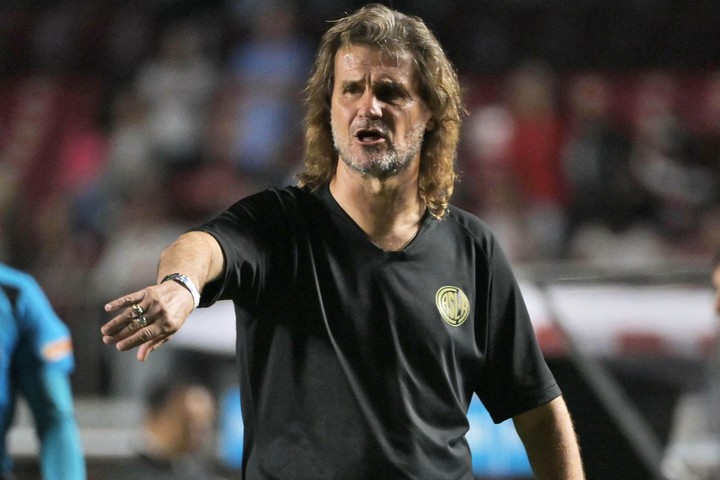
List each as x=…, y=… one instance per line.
x=592, y=134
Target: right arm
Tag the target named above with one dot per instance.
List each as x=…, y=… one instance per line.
x=42, y=366
x=195, y=254
x=49, y=395
x=165, y=305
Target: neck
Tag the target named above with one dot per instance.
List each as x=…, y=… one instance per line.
x=389, y=211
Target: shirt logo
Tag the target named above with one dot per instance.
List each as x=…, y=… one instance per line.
x=453, y=305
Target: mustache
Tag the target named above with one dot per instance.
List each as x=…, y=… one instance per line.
x=378, y=125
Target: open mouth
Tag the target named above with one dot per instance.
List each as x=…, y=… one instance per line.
x=369, y=136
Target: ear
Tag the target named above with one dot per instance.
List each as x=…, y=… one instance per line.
x=430, y=125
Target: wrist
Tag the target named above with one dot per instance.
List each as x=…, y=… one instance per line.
x=185, y=281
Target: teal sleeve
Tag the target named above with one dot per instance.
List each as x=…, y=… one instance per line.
x=50, y=399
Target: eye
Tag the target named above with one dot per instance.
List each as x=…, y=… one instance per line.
x=351, y=89
x=390, y=93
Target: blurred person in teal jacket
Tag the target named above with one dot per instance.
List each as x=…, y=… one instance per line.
x=36, y=360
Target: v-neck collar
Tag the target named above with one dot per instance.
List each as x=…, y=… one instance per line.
x=348, y=226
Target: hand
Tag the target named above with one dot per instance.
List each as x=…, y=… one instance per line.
x=147, y=318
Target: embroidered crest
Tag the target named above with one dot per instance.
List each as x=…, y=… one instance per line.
x=453, y=305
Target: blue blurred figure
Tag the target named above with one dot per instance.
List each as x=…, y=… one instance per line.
x=36, y=360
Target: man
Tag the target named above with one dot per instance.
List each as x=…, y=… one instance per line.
x=368, y=310
x=35, y=362
x=178, y=427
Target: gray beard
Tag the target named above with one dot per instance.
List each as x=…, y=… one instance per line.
x=380, y=161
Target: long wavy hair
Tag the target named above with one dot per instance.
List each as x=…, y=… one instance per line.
x=380, y=27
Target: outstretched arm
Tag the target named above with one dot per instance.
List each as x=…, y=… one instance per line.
x=550, y=442
x=164, y=306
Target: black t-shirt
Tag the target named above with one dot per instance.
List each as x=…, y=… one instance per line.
x=356, y=363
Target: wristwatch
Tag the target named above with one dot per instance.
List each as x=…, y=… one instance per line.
x=185, y=282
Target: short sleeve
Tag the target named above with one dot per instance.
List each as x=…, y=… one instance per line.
x=515, y=376
x=248, y=232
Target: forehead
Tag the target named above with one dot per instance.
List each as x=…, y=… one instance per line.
x=357, y=61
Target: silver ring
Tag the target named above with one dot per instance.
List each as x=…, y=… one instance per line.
x=137, y=309
x=142, y=321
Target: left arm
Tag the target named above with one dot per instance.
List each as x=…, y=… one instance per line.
x=550, y=442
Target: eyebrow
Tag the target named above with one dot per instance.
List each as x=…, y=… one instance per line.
x=382, y=83
x=346, y=83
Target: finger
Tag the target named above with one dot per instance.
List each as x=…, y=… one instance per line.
x=147, y=348
x=113, y=329
x=131, y=313
x=117, y=325
x=138, y=336
x=122, y=327
x=137, y=310
x=125, y=301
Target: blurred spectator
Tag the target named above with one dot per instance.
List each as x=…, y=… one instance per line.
x=36, y=360
x=663, y=161
x=129, y=156
x=177, y=85
x=53, y=231
x=28, y=136
x=81, y=153
x=65, y=255
x=595, y=162
x=266, y=76
x=535, y=154
x=53, y=154
x=488, y=186
x=178, y=436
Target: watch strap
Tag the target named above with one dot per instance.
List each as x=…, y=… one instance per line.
x=185, y=281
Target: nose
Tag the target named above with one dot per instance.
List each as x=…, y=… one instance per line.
x=370, y=106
